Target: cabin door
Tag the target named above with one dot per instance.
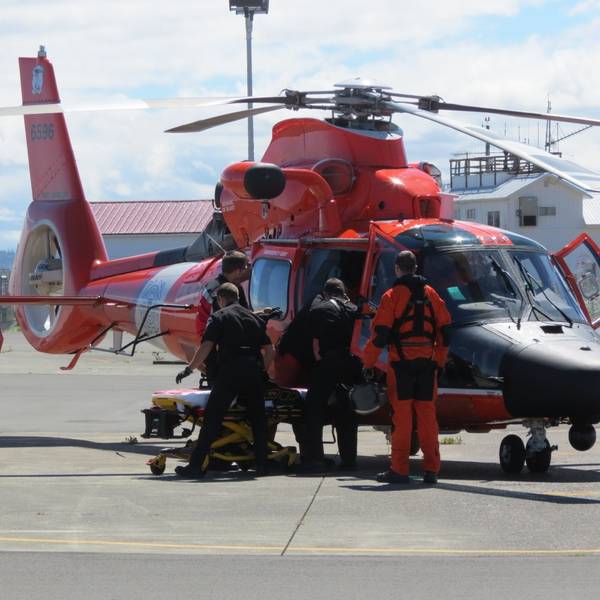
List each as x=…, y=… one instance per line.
x=378, y=277
x=580, y=263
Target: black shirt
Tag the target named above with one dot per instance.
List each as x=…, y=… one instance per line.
x=220, y=280
x=236, y=331
x=331, y=322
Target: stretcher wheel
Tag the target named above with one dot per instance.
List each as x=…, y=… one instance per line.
x=157, y=466
x=157, y=469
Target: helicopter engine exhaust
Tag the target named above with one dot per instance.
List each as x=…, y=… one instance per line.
x=264, y=181
x=256, y=181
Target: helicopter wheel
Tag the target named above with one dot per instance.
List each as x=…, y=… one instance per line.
x=539, y=461
x=512, y=454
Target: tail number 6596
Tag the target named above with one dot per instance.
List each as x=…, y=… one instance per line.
x=42, y=131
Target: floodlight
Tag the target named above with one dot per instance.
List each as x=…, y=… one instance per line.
x=242, y=6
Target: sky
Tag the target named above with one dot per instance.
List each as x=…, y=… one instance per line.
x=506, y=53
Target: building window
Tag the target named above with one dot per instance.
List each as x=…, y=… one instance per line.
x=547, y=211
x=494, y=218
x=269, y=284
x=471, y=214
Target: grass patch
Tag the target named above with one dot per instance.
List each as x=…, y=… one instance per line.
x=451, y=440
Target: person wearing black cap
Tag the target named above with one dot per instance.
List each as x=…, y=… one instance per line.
x=244, y=353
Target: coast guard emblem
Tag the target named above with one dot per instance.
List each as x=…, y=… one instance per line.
x=37, y=79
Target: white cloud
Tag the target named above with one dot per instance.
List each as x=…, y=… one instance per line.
x=588, y=6
x=114, y=49
x=8, y=216
x=9, y=238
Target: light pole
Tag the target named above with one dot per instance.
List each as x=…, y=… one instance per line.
x=249, y=8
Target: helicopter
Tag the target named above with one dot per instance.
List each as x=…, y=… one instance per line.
x=333, y=197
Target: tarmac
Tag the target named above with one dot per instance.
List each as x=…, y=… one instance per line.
x=74, y=483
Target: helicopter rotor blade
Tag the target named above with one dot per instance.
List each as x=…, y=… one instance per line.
x=441, y=105
x=581, y=177
x=124, y=104
x=204, y=124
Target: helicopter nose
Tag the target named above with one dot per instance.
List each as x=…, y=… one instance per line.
x=553, y=379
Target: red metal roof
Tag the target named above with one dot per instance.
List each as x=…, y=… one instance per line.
x=152, y=216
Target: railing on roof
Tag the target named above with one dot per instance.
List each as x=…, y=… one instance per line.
x=487, y=171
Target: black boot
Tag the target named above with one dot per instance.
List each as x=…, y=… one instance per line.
x=390, y=476
x=430, y=477
x=190, y=472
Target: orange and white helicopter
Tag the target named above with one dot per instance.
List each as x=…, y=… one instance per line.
x=333, y=197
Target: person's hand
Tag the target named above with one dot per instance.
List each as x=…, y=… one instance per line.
x=182, y=375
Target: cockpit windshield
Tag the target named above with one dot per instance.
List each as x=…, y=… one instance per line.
x=548, y=294
x=475, y=285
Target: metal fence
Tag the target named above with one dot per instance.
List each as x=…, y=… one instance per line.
x=471, y=172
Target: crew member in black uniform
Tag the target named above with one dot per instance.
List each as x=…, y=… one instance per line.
x=244, y=353
x=235, y=268
x=331, y=323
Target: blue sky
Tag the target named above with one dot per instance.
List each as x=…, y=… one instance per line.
x=510, y=53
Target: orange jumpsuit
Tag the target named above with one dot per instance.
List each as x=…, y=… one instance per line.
x=415, y=334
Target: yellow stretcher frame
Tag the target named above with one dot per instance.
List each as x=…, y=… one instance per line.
x=234, y=445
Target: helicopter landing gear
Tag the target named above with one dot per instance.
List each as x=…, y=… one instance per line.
x=538, y=452
x=512, y=454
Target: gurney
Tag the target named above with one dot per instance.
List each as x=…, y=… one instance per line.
x=174, y=408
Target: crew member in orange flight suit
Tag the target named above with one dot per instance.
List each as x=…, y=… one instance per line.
x=413, y=322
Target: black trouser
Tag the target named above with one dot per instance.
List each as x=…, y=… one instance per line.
x=335, y=368
x=244, y=377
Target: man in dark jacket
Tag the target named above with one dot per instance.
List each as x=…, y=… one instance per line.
x=235, y=269
x=244, y=352
x=330, y=324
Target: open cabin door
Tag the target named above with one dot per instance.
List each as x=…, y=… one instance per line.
x=580, y=263
x=378, y=277
x=272, y=282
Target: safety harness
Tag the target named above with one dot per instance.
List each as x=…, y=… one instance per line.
x=415, y=312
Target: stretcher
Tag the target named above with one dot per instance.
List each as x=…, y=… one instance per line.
x=174, y=408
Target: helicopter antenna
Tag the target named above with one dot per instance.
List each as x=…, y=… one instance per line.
x=550, y=142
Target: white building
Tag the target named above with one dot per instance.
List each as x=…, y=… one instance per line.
x=511, y=194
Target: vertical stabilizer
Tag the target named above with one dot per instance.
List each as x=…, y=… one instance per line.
x=52, y=167
x=60, y=241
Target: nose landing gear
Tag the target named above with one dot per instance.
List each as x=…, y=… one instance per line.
x=537, y=454
x=512, y=454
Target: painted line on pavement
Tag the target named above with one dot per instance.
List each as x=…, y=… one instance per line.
x=309, y=549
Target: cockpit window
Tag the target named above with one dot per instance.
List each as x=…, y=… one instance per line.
x=550, y=298
x=475, y=285
x=437, y=235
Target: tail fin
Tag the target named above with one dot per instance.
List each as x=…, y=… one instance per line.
x=60, y=241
